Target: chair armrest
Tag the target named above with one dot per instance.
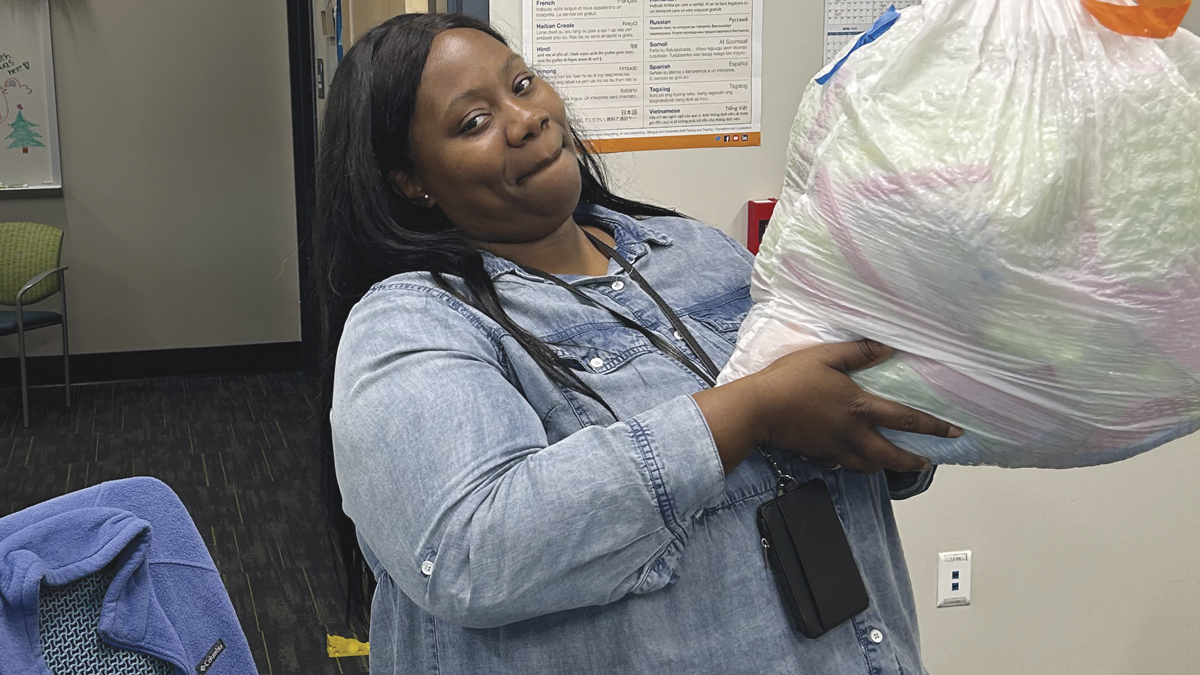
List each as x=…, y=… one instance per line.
x=39, y=279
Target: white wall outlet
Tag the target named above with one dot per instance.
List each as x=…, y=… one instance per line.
x=954, y=579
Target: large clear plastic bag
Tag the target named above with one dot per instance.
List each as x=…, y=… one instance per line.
x=1008, y=193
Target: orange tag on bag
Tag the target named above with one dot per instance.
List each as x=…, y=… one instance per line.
x=1149, y=18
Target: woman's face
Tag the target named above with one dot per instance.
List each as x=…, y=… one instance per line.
x=489, y=142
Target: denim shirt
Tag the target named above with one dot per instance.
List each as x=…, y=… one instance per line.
x=516, y=528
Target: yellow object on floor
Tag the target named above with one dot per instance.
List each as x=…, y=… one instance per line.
x=338, y=646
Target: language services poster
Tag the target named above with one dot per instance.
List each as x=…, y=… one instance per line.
x=652, y=74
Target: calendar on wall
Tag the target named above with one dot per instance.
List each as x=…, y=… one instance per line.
x=846, y=19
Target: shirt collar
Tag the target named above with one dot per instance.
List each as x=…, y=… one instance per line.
x=633, y=237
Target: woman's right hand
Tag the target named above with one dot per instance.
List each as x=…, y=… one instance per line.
x=806, y=403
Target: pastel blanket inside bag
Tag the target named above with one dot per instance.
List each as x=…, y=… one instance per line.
x=1008, y=192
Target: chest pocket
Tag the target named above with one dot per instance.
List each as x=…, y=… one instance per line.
x=724, y=316
x=599, y=349
x=620, y=365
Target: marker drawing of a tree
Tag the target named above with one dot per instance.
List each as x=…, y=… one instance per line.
x=23, y=136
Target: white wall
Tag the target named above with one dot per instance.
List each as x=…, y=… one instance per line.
x=178, y=206
x=1081, y=571
x=1091, y=571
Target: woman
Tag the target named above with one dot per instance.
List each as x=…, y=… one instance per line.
x=538, y=472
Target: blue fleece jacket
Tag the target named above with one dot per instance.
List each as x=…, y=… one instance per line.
x=166, y=599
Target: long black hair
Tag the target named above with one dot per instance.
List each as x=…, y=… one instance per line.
x=366, y=232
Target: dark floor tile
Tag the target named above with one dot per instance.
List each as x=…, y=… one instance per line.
x=241, y=453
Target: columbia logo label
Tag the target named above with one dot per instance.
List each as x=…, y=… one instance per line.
x=213, y=653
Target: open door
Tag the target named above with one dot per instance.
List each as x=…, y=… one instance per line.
x=319, y=32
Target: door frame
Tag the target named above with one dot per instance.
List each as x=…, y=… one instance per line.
x=302, y=68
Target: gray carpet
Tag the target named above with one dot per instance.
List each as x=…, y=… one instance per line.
x=241, y=453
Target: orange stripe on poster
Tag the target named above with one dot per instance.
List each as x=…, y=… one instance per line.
x=675, y=142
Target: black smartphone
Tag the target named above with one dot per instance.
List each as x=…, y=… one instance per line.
x=808, y=551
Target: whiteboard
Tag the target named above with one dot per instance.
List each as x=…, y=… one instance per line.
x=29, y=159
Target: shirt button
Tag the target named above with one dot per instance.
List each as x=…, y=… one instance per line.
x=427, y=567
x=618, y=285
x=876, y=635
x=677, y=335
x=596, y=362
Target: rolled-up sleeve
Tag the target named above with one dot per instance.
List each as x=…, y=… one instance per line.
x=446, y=471
x=902, y=485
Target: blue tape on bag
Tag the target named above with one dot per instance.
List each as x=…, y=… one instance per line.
x=881, y=26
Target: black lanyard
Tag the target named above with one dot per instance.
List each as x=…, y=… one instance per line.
x=706, y=370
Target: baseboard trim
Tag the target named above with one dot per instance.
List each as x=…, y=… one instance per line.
x=191, y=362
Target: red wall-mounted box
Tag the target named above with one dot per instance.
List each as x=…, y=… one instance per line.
x=758, y=214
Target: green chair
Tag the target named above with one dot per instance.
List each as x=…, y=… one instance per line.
x=29, y=273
